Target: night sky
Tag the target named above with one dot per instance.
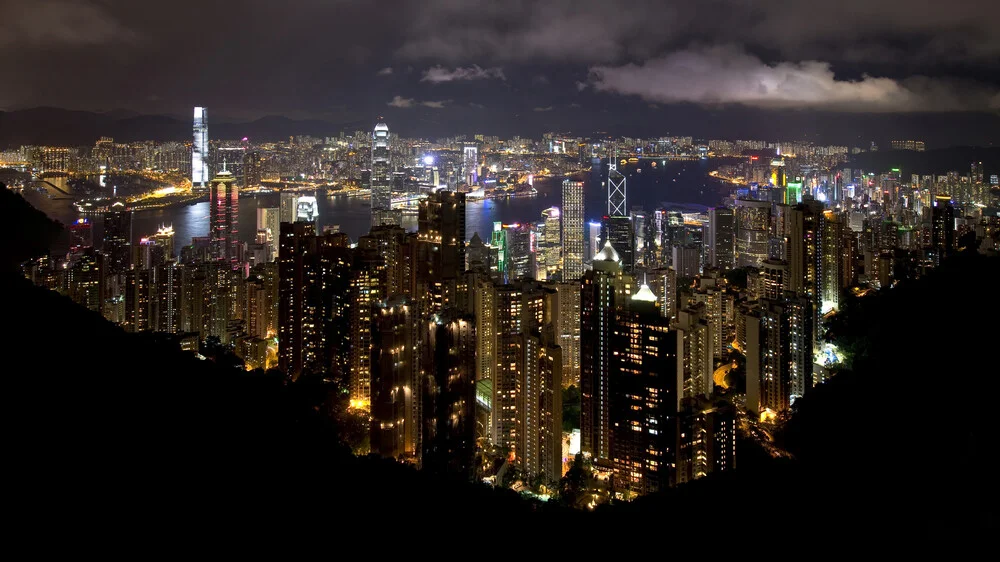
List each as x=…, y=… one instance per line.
x=452, y=65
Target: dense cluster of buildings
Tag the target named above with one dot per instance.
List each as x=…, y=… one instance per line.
x=457, y=351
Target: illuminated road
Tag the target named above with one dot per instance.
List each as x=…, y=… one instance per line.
x=720, y=374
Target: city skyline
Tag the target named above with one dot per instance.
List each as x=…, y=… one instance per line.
x=616, y=272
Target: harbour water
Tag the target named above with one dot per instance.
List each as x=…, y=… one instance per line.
x=682, y=185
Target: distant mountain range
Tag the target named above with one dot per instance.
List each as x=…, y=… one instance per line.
x=65, y=127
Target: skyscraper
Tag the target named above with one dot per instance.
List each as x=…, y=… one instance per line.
x=603, y=292
x=721, y=238
x=253, y=170
x=779, y=354
x=520, y=257
x=268, y=219
x=440, y=249
x=572, y=229
x=199, y=149
x=942, y=227
x=617, y=195
x=470, y=164
x=299, y=287
x=224, y=209
x=617, y=230
x=118, y=239
x=694, y=353
x=381, y=190
x=307, y=209
x=643, y=397
x=753, y=220
x=289, y=206
x=394, y=386
x=549, y=259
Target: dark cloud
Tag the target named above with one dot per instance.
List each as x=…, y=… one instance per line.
x=543, y=109
x=405, y=103
x=56, y=23
x=439, y=74
x=340, y=60
x=722, y=75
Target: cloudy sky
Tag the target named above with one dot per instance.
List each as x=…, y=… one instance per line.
x=461, y=64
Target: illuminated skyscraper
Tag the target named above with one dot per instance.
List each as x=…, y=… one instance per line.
x=604, y=290
x=395, y=390
x=617, y=230
x=753, y=221
x=470, y=164
x=643, y=397
x=307, y=209
x=164, y=238
x=253, y=170
x=550, y=245
x=779, y=354
x=977, y=172
x=199, y=149
x=381, y=182
x=81, y=235
x=118, y=239
x=440, y=250
x=942, y=227
x=268, y=220
x=694, y=353
x=572, y=229
x=223, y=209
x=721, y=238
x=520, y=257
x=300, y=334
x=617, y=196
x=289, y=206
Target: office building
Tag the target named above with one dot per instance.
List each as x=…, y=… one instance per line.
x=753, y=220
x=686, y=260
x=942, y=228
x=572, y=230
x=253, y=170
x=617, y=190
x=288, y=210
x=117, y=239
x=200, y=175
x=549, y=258
x=520, y=255
x=470, y=164
x=268, y=221
x=307, y=209
x=594, y=244
x=617, y=230
x=223, y=210
x=720, y=238
x=81, y=235
x=381, y=170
